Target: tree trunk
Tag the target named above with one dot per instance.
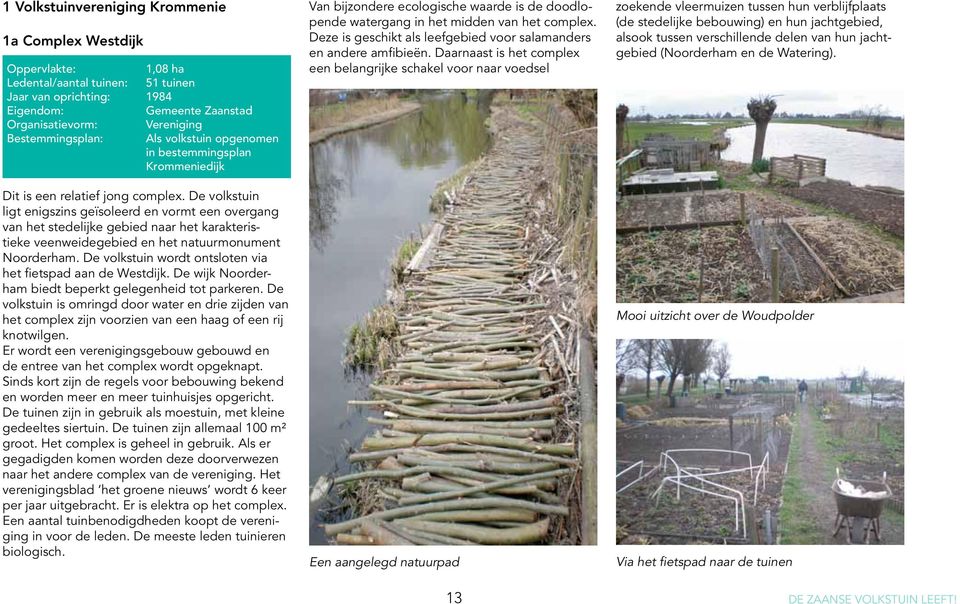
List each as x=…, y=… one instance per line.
x=673, y=399
x=759, y=141
x=648, y=383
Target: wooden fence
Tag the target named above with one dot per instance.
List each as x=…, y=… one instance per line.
x=799, y=169
x=681, y=155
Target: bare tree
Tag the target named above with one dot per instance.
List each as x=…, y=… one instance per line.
x=863, y=378
x=761, y=110
x=670, y=360
x=880, y=116
x=624, y=354
x=622, y=111
x=633, y=355
x=698, y=360
x=875, y=384
x=874, y=116
x=647, y=359
x=682, y=357
x=721, y=363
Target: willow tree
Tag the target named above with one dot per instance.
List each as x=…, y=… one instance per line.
x=721, y=363
x=682, y=358
x=622, y=111
x=761, y=110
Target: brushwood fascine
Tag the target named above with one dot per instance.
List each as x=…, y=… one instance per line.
x=476, y=442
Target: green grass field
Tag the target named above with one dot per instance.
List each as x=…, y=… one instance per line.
x=640, y=130
x=633, y=399
x=890, y=126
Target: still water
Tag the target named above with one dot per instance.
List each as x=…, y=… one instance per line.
x=861, y=159
x=369, y=190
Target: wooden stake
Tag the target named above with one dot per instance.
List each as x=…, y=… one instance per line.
x=588, y=444
x=775, y=274
x=820, y=263
x=730, y=420
x=700, y=283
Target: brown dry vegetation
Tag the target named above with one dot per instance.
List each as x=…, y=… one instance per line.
x=883, y=210
x=664, y=266
x=697, y=207
x=863, y=262
x=326, y=116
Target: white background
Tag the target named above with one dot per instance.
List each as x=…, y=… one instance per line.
x=921, y=61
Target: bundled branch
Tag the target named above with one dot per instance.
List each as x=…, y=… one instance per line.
x=475, y=442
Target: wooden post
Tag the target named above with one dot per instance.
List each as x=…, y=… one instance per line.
x=743, y=209
x=700, y=284
x=730, y=420
x=800, y=172
x=588, y=443
x=775, y=274
x=753, y=538
x=586, y=188
x=562, y=185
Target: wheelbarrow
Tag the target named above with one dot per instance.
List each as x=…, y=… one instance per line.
x=859, y=511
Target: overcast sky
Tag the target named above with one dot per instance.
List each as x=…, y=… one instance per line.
x=814, y=359
x=797, y=101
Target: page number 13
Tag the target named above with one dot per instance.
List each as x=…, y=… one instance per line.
x=454, y=597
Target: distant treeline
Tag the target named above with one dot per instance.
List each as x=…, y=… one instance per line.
x=852, y=115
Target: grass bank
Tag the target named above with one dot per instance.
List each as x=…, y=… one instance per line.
x=328, y=120
x=891, y=128
x=708, y=131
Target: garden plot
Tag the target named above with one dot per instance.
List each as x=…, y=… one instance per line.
x=820, y=259
x=666, y=266
x=686, y=210
x=694, y=517
x=836, y=436
x=650, y=511
x=717, y=264
x=883, y=209
x=862, y=261
x=866, y=441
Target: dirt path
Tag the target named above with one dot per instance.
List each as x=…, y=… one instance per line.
x=809, y=496
x=813, y=475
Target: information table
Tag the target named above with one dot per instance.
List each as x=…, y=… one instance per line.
x=146, y=116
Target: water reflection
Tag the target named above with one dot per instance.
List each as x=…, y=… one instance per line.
x=861, y=159
x=325, y=188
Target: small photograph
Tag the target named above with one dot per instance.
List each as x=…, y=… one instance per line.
x=780, y=197
x=759, y=443
x=452, y=317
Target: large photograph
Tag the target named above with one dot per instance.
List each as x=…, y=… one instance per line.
x=452, y=315
x=741, y=442
x=792, y=197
